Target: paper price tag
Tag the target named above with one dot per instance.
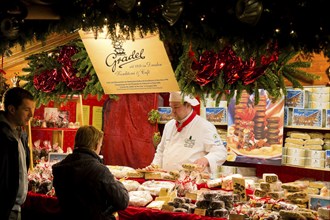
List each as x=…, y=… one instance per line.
x=201, y=212
x=239, y=188
x=163, y=192
x=192, y=196
x=168, y=208
x=236, y=217
x=163, y=198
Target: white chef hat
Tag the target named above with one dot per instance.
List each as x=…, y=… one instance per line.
x=177, y=97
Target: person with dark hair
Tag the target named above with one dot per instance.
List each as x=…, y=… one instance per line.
x=85, y=188
x=19, y=106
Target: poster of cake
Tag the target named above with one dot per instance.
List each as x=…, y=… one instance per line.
x=255, y=131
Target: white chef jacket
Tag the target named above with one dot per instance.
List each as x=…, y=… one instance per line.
x=197, y=139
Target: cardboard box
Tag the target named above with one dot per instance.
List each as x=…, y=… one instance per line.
x=319, y=97
x=327, y=119
x=295, y=152
x=315, y=163
x=165, y=114
x=297, y=161
x=216, y=115
x=307, y=117
x=286, y=116
x=318, y=104
x=316, y=154
x=295, y=98
x=327, y=159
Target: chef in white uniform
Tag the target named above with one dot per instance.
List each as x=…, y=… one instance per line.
x=188, y=138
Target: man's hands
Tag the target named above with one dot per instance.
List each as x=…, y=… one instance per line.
x=151, y=167
x=202, y=163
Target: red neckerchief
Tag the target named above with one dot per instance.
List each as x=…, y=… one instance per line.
x=186, y=122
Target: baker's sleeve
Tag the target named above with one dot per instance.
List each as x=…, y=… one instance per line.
x=216, y=151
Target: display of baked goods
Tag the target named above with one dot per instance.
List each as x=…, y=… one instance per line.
x=120, y=171
x=151, y=168
x=131, y=185
x=139, y=198
x=154, y=187
x=135, y=174
x=271, y=199
x=191, y=166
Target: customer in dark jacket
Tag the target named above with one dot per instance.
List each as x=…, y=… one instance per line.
x=14, y=151
x=85, y=188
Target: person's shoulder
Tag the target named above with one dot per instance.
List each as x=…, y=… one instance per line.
x=170, y=123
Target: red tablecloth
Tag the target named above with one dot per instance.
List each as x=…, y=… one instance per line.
x=138, y=213
x=37, y=205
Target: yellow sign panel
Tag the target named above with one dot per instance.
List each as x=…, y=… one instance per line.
x=126, y=66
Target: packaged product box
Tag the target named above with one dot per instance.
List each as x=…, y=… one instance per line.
x=165, y=114
x=295, y=152
x=216, y=115
x=284, y=159
x=316, y=154
x=296, y=98
x=319, y=97
x=297, y=161
x=307, y=117
x=327, y=118
x=315, y=163
x=327, y=159
x=286, y=116
x=323, y=90
x=318, y=104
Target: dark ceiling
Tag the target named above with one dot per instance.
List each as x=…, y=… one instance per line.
x=295, y=24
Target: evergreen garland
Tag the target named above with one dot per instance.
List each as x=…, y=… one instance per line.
x=48, y=61
x=272, y=80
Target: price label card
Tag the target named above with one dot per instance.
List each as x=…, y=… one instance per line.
x=163, y=192
x=236, y=217
x=239, y=188
x=192, y=196
x=201, y=212
x=163, y=198
x=169, y=208
x=152, y=176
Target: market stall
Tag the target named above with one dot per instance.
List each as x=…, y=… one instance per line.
x=259, y=70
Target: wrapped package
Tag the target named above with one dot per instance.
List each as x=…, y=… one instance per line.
x=131, y=185
x=154, y=187
x=139, y=198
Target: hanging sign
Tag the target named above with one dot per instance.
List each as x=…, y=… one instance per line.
x=126, y=66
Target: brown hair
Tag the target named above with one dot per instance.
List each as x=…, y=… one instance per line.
x=87, y=137
x=15, y=96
